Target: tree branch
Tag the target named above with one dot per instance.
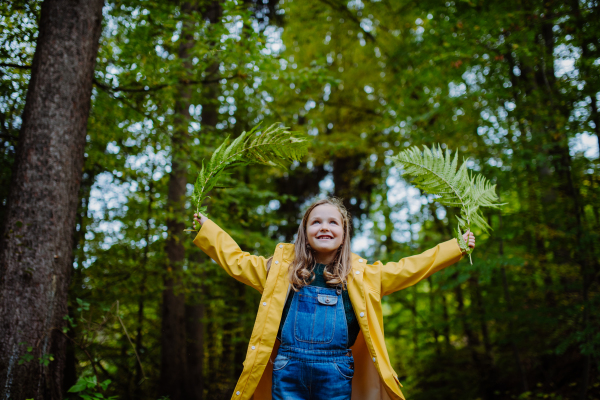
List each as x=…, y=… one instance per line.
x=8, y=136
x=146, y=89
x=11, y=65
x=344, y=10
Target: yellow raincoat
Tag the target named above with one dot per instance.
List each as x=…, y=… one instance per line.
x=374, y=378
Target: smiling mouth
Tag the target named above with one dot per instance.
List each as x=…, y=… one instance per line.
x=324, y=237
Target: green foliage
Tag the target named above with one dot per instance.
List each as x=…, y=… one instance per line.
x=437, y=174
x=363, y=78
x=88, y=388
x=274, y=146
x=44, y=360
x=27, y=357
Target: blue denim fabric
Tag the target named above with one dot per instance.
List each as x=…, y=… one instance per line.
x=314, y=362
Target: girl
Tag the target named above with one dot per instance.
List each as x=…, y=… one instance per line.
x=319, y=330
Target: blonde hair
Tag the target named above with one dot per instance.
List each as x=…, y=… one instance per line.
x=335, y=273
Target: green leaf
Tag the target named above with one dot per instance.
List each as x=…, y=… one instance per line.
x=275, y=146
x=80, y=386
x=105, y=384
x=436, y=172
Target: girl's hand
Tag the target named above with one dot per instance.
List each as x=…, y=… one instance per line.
x=469, y=239
x=200, y=219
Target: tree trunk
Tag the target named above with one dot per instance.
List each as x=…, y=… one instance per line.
x=139, y=337
x=88, y=179
x=434, y=331
x=194, y=317
x=472, y=339
x=344, y=169
x=37, y=242
x=513, y=344
x=173, y=382
x=213, y=342
x=196, y=312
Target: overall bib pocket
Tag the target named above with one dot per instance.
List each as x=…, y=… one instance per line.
x=315, y=318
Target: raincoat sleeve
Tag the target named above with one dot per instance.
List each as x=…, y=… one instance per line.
x=241, y=265
x=410, y=270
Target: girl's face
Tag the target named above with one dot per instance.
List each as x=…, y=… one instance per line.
x=325, y=231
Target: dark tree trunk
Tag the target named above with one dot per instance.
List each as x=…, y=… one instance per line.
x=472, y=339
x=434, y=331
x=226, y=361
x=89, y=177
x=213, y=342
x=344, y=170
x=36, y=247
x=507, y=299
x=139, y=337
x=173, y=382
x=194, y=317
x=200, y=334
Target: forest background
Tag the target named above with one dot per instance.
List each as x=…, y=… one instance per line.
x=513, y=85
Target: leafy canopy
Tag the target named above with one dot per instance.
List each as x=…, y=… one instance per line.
x=275, y=146
x=436, y=173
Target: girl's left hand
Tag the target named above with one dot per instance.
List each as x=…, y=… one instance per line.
x=470, y=239
x=200, y=219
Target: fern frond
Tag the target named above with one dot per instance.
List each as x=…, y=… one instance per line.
x=275, y=146
x=437, y=173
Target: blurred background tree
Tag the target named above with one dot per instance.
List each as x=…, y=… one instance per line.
x=513, y=85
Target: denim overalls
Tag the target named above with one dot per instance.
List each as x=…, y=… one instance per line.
x=314, y=362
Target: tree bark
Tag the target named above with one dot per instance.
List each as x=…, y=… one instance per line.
x=87, y=182
x=37, y=242
x=509, y=308
x=194, y=316
x=434, y=331
x=173, y=382
x=138, y=392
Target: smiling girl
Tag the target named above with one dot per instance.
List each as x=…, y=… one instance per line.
x=318, y=332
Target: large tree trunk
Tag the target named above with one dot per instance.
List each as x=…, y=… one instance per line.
x=195, y=309
x=87, y=182
x=36, y=247
x=173, y=382
x=138, y=392
x=194, y=316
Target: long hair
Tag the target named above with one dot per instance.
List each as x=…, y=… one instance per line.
x=335, y=273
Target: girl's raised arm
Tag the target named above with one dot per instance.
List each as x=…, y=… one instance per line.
x=218, y=245
x=410, y=270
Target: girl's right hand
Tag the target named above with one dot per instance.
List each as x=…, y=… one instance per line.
x=199, y=218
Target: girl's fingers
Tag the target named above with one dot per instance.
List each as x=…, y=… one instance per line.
x=469, y=238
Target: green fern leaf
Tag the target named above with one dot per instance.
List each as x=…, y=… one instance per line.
x=437, y=173
x=275, y=146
